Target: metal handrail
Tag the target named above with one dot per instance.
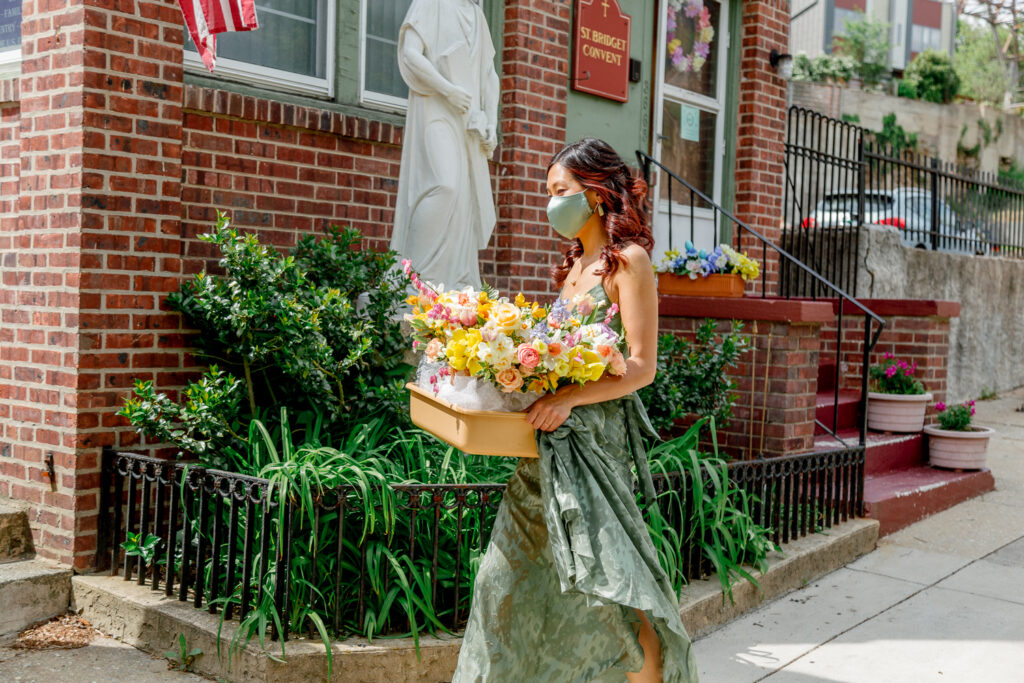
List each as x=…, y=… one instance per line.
x=870, y=318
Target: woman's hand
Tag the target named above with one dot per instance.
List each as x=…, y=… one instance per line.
x=549, y=412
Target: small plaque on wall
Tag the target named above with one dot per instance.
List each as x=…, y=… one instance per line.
x=600, y=63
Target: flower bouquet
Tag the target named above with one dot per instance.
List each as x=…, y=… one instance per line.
x=485, y=358
x=956, y=443
x=697, y=272
x=897, y=400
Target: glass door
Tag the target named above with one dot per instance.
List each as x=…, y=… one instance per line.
x=689, y=107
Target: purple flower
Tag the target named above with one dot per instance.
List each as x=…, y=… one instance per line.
x=940, y=406
x=701, y=49
x=972, y=411
x=890, y=371
x=678, y=56
x=888, y=355
x=693, y=8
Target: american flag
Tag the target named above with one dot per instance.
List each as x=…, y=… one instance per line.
x=206, y=18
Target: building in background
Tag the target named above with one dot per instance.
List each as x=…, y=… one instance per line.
x=914, y=26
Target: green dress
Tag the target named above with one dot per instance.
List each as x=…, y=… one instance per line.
x=570, y=558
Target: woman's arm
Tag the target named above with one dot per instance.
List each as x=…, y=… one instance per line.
x=633, y=285
x=414, y=59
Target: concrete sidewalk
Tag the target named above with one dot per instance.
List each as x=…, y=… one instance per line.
x=940, y=600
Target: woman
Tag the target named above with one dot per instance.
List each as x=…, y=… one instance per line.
x=570, y=588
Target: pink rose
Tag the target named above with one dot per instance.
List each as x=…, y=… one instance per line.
x=510, y=380
x=528, y=356
x=468, y=317
x=433, y=348
x=617, y=363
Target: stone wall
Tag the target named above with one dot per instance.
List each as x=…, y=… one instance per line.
x=986, y=342
x=940, y=128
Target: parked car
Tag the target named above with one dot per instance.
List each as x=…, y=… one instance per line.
x=906, y=208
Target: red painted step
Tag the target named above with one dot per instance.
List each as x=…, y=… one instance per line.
x=849, y=402
x=885, y=451
x=900, y=498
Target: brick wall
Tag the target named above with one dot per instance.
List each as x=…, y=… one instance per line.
x=777, y=378
x=535, y=69
x=88, y=249
x=761, y=134
x=916, y=331
x=283, y=170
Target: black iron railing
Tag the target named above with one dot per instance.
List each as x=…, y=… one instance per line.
x=873, y=324
x=222, y=544
x=841, y=176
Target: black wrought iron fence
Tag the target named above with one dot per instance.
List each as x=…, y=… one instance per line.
x=839, y=177
x=222, y=540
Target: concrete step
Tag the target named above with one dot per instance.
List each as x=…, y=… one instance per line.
x=901, y=497
x=15, y=536
x=849, y=402
x=885, y=452
x=32, y=591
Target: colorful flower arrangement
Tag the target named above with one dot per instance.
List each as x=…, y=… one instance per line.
x=894, y=376
x=695, y=263
x=956, y=418
x=703, y=34
x=518, y=346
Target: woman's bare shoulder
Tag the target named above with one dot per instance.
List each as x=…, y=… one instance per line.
x=635, y=258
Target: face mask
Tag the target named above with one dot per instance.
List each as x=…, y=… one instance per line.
x=567, y=214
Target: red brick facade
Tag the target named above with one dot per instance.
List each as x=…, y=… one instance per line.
x=776, y=379
x=916, y=331
x=111, y=165
x=761, y=134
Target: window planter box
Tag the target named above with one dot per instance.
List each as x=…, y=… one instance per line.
x=481, y=432
x=727, y=285
x=897, y=412
x=958, y=450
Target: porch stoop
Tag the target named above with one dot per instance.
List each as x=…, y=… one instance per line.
x=31, y=591
x=899, y=486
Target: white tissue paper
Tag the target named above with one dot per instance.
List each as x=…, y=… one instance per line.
x=470, y=393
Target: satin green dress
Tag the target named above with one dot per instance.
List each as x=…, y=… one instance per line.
x=570, y=559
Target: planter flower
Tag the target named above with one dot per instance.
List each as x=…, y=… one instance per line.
x=694, y=272
x=955, y=443
x=898, y=400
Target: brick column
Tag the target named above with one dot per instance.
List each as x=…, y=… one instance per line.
x=95, y=244
x=535, y=73
x=760, y=145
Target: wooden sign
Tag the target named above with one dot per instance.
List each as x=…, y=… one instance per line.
x=601, y=49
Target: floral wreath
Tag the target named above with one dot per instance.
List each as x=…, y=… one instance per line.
x=704, y=33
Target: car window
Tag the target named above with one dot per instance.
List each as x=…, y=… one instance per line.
x=848, y=202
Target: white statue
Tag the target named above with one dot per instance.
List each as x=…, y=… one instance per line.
x=445, y=213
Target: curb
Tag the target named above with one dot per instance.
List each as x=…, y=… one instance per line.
x=151, y=622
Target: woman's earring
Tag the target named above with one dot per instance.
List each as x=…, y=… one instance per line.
x=600, y=209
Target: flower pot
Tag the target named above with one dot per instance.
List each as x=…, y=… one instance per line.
x=481, y=432
x=958, y=450
x=897, y=412
x=730, y=285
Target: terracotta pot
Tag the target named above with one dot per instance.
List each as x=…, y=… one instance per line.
x=481, y=432
x=730, y=285
x=897, y=412
x=958, y=450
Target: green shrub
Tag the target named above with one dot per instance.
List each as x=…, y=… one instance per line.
x=866, y=43
x=931, y=77
x=283, y=331
x=691, y=376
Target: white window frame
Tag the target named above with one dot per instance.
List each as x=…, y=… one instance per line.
x=276, y=79
x=712, y=105
x=10, y=56
x=370, y=98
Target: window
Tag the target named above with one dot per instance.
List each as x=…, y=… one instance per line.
x=925, y=38
x=292, y=50
x=841, y=16
x=380, y=79
x=10, y=31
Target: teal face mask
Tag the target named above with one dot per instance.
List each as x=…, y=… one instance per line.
x=567, y=214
